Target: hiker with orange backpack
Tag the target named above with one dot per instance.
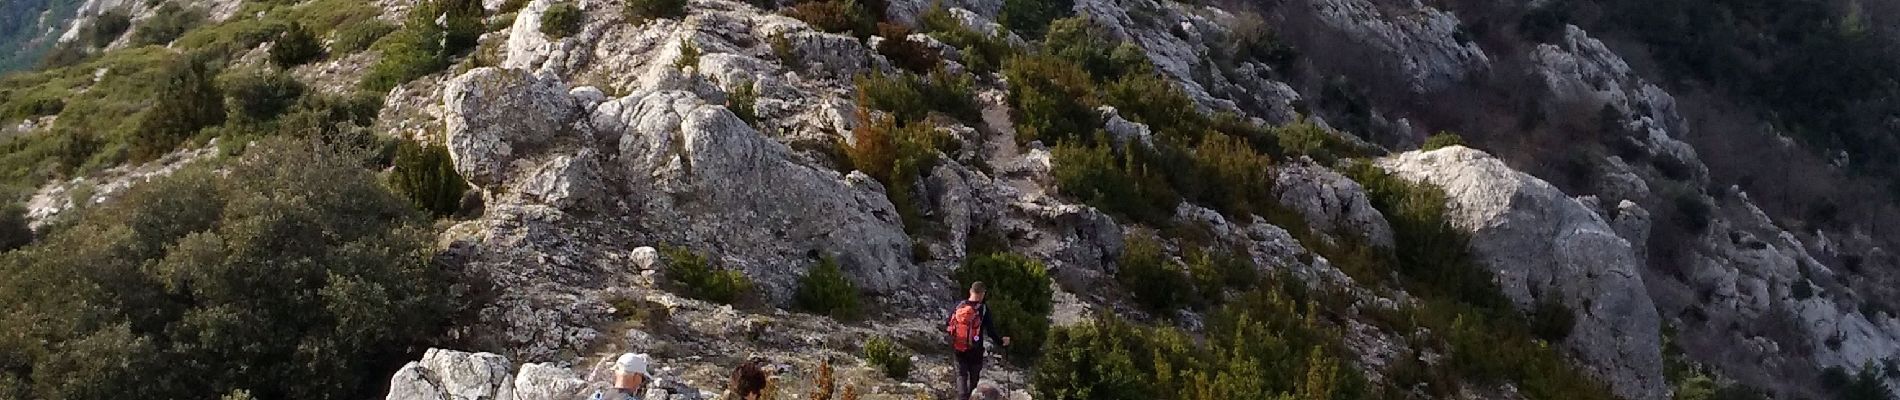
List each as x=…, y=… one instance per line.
x=969, y=323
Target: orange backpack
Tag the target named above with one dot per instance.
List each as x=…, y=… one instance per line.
x=966, y=327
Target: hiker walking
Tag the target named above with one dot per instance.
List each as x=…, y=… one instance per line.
x=630, y=378
x=969, y=323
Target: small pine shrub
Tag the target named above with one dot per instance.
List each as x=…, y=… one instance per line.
x=689, y=56
x=1158, y=103
x=1080, y=41
x=782, y=48
x=826, y=290
x=896, y=156
x=259, y=95
x=910, y=97
x=1442, y=139
x=1214, y=272
x=1051, y=99
x=700, y=279
x=1308, y=139
x=743, y=99
x=426, y=176
x=187, y=100
x=1144, y=269
x=107, y=27
x=14, y=232
x=358, y=36
x=983, y=52
x=1019, y=298
x=1100, y=177
x=1032, y=17
x=294, y=47
x=562, y=20
x=166, y=24
x=409, y=53
x=891, y=358
x=836, y=16
x=1233, y=177
x=461, y=23
x=641, y=11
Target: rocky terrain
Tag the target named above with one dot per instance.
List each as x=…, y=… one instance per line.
x=589, y=154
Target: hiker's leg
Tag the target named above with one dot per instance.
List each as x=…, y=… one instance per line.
x=968, y=370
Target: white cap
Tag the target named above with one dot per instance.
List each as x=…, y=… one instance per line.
x=632, y=363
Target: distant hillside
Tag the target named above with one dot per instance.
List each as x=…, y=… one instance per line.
x=28, y=28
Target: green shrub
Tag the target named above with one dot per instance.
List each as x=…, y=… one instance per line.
x=782, y=48
x=426, y=176
x=409, y=53
x=1214, y=272
x=186, y=100
x=896, y=156
x=1441, y=140
x=1233, y=178
x=289, y=273
x=1031, y=17
x=1551, y=320
x=905, y=53
x=358, y=36
x=836, y=16
x=891, y=358
x=1305, y=138
x=1158, y=103
x=1801, y=289
x=743, y=99
x=700, y=279
x=1080, y=41
x=14, y=232
x=1436, y=253
x=826, y=290
x=562, y=20
x=1251, y=39
x=254, y=95
x=165, y=24
x=983, y=52
x=461, y=23
x=641, y=11
x=1019, y=298
x=1050, y=99
x=295, y=47
x=1145, y=270
x=1100, y=177
x=689, y=56
x=909, y=97
x=107, y=27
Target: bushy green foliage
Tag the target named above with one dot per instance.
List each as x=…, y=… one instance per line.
x=1442, y=139
x=1213, y=272
x=1079, y=40
x=561, y=20
x=983, y=52
x=359, y=35
x=909, y=97
x=1250, y=39
x=1156, y=283
x=701, y=279
x=896, y=156
x=295, y=47
x=1019, y=298
x=1305, y=138
x=422, y=46
x=254, y=95
x=1232, y=177
x=836, y=16
x=107, y=27
x=426, y=176
x=14, y=232
x=641, y=11
x=1264, y=347
x=165, y=24
x=290, y=273
x=186, y=100
x=1031, y=17
x=689, y=55
x=1051, y=99
x=1434, y=252
x=743, y=99
x=826, y=290
x=891, y=358
x=1865, y=384
x=1157, y=102
x=1099, y=176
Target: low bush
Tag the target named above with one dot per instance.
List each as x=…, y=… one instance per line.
x=426, y=176
x=641, y=11
x=689, y=56
x=1214, y=272
x=1551, y=320
x=1232, y=177
x=289, y=273
x=14, y=232
x=358, y=36
x=909, y=97
x=1051, y=99
x=407, y=54
x=743, y=99
x=1158, y=103
x=1436, y=254
x=562, y=20
x=896, y=156
x=905, y=53
x=1098, y=176
x=254, y=95
x=1442, y=139
x=700, y=279
x=1156, y=283
x=185, y=101
x=1305, y=138
x=826, y=290
x=294, y=47
x=1080, y=41
x=1032, y=17
x=107, y=27
x=836, y=16
x=891, y=358
x=1019, y=299
x=165, y=24
x=983, y=52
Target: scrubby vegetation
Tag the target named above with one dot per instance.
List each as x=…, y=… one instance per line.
x=983, y=52
x=166, y=23
x=889, y=357
x=188, y=101
x=256, y=95
x=892, y=141
x=905, y=53
x=699, y=278
x=359, y=35
x=826, y=290
x=14, y=232
x=1442, y=140
x=562, y=20
x=426, y=177
x=1019, y=299
x=1145, y=270
x=641, y=11
x=743, y=99
x=422, y=46
x=295, y=46
x=1031, y=17
x=291, y=274
x=838, y=16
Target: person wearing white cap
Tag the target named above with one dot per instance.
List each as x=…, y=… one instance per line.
x=631, y=376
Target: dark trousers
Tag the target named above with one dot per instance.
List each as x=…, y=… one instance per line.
x=969, y=371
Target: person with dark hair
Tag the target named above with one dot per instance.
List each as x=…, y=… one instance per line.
x=748, y=382
x=969, y=323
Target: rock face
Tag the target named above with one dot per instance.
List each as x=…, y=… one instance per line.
x=455, y=375
x=1421, y=43
x=1546, y=246
x=1331, y=203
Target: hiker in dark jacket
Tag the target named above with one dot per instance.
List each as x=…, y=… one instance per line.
x=968, y=324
